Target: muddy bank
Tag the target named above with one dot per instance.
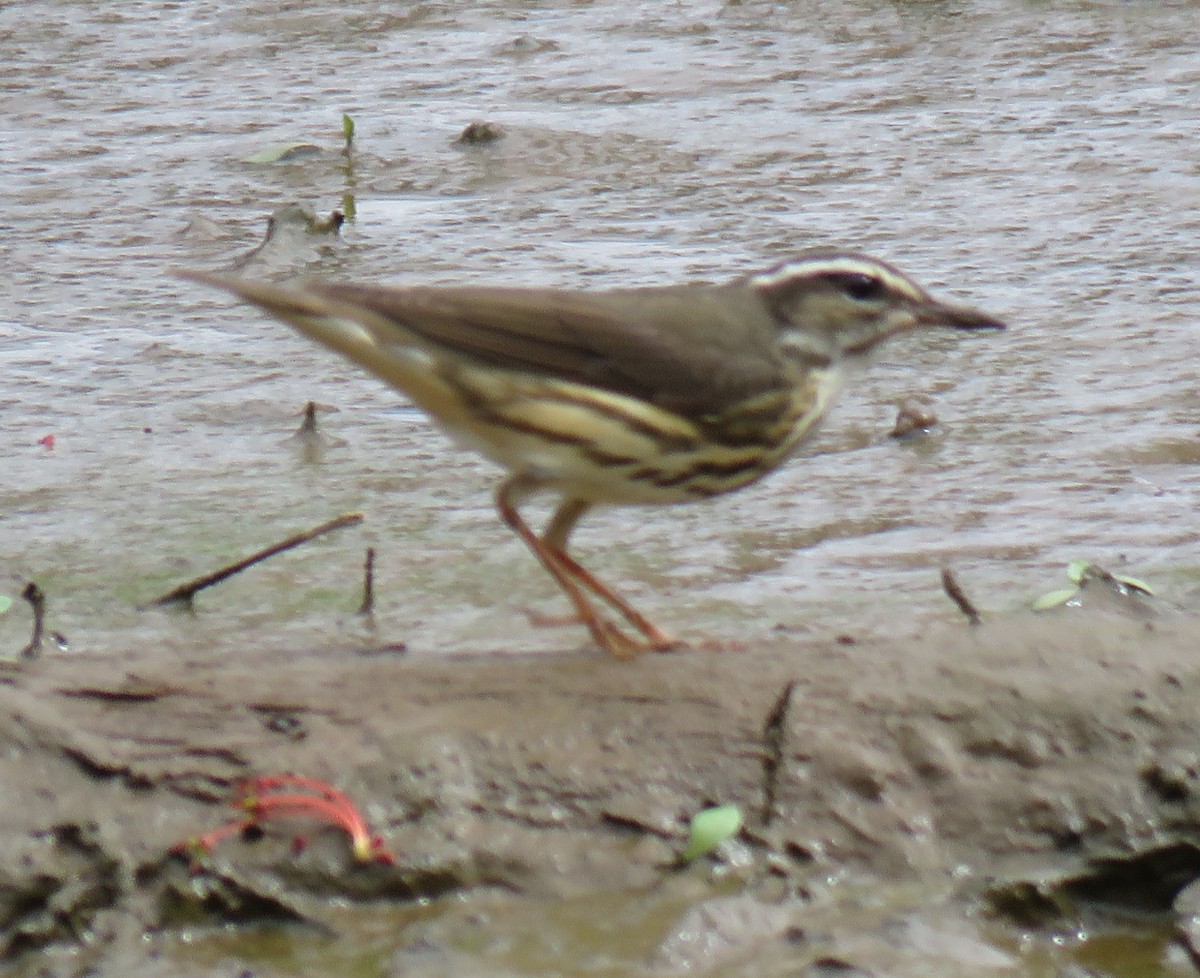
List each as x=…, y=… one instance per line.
x=998, y=776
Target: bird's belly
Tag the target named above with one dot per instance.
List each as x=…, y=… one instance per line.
x=598, y=457
x=608, y=448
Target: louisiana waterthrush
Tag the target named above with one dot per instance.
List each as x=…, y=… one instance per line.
x=649, y=395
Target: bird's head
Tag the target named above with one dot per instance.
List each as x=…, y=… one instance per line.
x=832, y=306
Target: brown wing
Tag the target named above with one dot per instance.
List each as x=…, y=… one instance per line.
x=696, y=353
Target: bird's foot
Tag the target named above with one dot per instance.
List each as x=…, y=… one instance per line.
x=612, y=637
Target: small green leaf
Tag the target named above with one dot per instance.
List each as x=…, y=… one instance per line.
x=710, y=828
x=347, y=128
x=1134, y=584
x=5, y=603
x=284, y=154
x=1052, y=599
x=1077, y=570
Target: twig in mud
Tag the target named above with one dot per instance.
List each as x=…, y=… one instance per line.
x=308, y=426
x=774, y=731
x=367, y=609
x=184, y=593
x=37, y=599
x=956, y=594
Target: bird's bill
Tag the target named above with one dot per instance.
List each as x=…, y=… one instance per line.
x=950, y=314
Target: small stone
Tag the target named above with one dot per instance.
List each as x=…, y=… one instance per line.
x=480, y=134
x=912, y=418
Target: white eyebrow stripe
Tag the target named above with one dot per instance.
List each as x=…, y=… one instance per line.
x=838, y=265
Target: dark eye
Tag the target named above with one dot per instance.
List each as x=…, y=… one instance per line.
x=860, y=287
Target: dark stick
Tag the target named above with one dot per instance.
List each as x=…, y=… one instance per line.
x=35, y=596
x=956, y=594
x=774, y=732
x=185, y=592
x=368, y=601
x=308, y=426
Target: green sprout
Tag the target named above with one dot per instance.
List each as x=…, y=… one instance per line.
x=1052, y=599
x=1081, y=573
x=286, y=153
x=709, y=829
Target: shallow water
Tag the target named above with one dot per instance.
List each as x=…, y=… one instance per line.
x=1037, y=160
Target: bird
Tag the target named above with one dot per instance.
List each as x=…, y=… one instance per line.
x=646, y=395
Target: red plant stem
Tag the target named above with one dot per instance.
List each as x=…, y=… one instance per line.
x=342, y=814
x=208, y=841
x=263, y=798
x=200, y=845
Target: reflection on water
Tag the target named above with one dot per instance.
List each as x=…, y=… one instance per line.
x=1038, y=161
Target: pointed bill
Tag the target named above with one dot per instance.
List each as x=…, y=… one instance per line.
x=937, y=313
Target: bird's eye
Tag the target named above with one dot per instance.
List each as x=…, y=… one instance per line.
x=860, y=287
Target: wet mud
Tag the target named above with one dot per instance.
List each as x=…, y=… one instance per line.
x=910, y=807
